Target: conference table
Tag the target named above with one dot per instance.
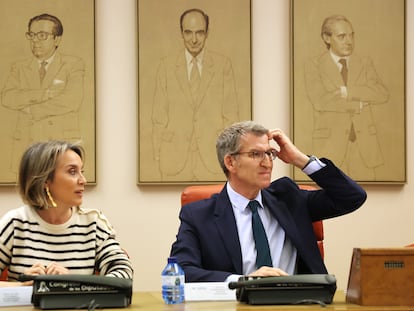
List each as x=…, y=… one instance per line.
x=152, y=301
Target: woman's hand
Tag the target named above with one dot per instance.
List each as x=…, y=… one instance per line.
x=37, y=269
x=55, y=268
x=40, y=269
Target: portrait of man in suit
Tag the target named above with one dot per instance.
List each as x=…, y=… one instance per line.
x=196, y=94
x=348, y=86
x=46, y=89
x=343, y=89
x=47, y=83
x=199, y=84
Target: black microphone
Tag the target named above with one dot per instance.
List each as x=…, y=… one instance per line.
x=234, y=285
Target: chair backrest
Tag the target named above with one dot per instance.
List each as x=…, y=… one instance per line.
x=199, y=192
x=4, y=275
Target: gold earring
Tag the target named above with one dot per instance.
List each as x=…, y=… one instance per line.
x=50, y=197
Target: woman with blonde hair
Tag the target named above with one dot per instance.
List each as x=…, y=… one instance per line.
x=52, y=233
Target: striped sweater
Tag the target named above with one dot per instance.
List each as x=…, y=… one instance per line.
x=84, y=244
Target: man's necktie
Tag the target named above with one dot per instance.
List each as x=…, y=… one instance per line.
x=42, y=70
x=194, y=78
x=352, y=135
x=262, y=245
x=344, y=70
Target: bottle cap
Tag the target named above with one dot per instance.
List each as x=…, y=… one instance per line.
x=172, y=259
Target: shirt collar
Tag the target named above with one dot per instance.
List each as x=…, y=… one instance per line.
x=189, y=57
x=48, y=61
x=240, y=202
x=336, y=58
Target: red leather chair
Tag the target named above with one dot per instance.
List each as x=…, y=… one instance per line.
x=3, y=276
x=199, y=192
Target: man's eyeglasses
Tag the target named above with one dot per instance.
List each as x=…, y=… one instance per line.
x=259, y=155
x=41, y=35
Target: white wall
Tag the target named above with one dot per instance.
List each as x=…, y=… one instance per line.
x=146, y=218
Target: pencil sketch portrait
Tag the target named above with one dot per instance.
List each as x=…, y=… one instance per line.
x=198, y=86
x=46, y=84
x=349, y=87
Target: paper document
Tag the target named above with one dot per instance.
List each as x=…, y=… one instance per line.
x=208, y=291
x=15, y=296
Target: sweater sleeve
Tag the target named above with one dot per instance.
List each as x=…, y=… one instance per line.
x=111, y=259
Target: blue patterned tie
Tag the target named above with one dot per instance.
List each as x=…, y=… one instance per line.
x=262, y=245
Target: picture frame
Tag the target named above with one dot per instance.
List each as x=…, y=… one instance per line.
x=177, y=133
x=62, y=105
x=360, y=125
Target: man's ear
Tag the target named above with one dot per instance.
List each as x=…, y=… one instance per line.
x=229, y=162
x=326, y=38
x=57, y=41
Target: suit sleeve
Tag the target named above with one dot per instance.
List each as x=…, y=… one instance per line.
x=323, y=92
x=65, y=93
x=188, y=250
x=339, y=194
x=369, y=87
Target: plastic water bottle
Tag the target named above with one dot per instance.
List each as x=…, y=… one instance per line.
x=173, y=279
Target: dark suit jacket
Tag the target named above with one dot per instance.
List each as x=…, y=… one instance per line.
x=208, y=247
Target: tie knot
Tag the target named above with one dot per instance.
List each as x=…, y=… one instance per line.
x=253, y=205
x=342, y=61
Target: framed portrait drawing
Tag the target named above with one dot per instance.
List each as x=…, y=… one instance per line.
x=194, y=76
x=47, y=78
x=348, y=86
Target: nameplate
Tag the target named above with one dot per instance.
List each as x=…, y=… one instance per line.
x=15, y=296
x=209, y=291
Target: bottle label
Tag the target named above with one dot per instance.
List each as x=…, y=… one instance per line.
x=173, y=280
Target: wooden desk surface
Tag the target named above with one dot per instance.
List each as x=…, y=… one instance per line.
x=152, y=301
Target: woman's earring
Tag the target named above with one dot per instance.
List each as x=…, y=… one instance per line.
x=50, y=197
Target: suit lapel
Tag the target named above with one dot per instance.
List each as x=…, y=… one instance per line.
x=207, y=75
x=355, y=69
x=53, y=69
x=329, y=69
x=226, y=226
x=280, y=212
x=32, y=70
x=182, y=75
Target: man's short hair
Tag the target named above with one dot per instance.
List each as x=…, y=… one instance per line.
x=58, y=27
x=206, y=18
x=228, y=141
x=327, y=24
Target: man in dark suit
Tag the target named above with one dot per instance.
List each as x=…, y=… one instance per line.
x=343, y=88
x=216, y=240
x=194, y=100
